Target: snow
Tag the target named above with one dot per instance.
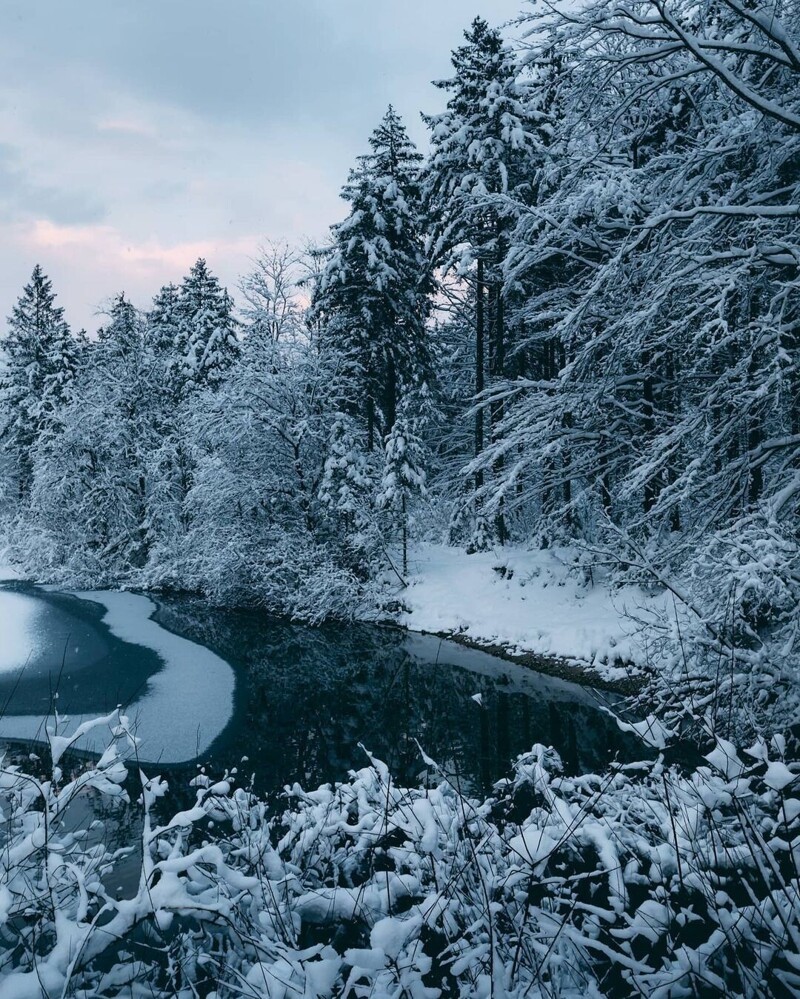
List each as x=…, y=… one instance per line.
x=725, y=759
x=184, y=707
x=533, y=845
x=559, y=879
x=20, y=636
x=533, y=604
x=778, y=776
x=655, y=734
x=7, y=571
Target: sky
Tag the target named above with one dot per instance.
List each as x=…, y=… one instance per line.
x=138, y=135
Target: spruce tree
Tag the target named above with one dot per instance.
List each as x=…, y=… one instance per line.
x=374, y=294
x=479, y=177
x=403, y=472
x=122, y=336
x=163, y=321
x=206, y=335
x=40, y=360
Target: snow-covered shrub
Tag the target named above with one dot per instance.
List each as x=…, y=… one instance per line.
x=640, y=881
x=722, y=652
x=748, y=578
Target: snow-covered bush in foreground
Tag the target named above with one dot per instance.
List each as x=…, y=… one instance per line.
x=640, y=881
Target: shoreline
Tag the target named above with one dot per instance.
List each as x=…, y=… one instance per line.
x=562, y=668
x=572, y=670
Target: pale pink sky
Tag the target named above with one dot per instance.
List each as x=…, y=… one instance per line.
x=138, y=136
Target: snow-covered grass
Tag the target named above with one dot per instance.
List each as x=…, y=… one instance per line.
x=185, y=705
x=529, y=601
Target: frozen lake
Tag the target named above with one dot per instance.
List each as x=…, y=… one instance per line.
x=210, y=685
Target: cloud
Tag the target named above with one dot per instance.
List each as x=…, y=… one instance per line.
x=116, y=263
x=140, y=135
x=20, y=196
x=151, y=257
x=123, y=126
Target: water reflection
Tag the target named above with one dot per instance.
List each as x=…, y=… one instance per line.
x=304, y=698
x=307, y=697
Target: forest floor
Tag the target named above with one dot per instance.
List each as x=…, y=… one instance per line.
x=534, y=607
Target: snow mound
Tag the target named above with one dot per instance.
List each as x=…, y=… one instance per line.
x=528, y=601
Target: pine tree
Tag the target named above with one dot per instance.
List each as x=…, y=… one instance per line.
x=122, y=337
x=480, y=174
x=485, y=146
x=206, y=335
x=163, y=321
x=170, y=461
x=40, y=357
x=374, y=294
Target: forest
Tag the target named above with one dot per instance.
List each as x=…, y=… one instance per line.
x=572, y=324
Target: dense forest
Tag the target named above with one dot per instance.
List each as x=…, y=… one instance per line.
x=573, y=324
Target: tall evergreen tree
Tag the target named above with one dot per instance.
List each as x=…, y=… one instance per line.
x=206, y=335
x=122, y=336
x=375, y=291
x=480, y=174
x=163, y=321
x=40, y=360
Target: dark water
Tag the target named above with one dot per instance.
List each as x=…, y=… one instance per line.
x=304, y=698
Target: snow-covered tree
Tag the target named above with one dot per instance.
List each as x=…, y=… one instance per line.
x=122, y=337
x=481, y=173
x=163, y=322
x=374, y=293
x=87, y=516
x=207, y=343
x=38, y=369
x=348, y=481
x=403, y=478
x=274, y=308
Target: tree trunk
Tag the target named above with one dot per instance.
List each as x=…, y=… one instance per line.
x=391, y=394
x=649, y=423
x=497, y=369
x=370, y=424
x=479, y=364
x=405, y=539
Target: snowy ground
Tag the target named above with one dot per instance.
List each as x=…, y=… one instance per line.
x=7, y=571
x=527, y=601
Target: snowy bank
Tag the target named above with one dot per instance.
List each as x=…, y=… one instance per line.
x=527, y=602
x=8, y=572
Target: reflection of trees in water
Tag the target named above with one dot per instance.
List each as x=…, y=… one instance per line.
x=310, y=695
